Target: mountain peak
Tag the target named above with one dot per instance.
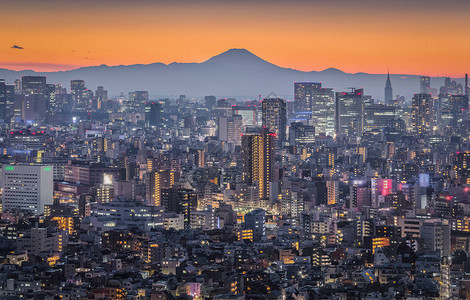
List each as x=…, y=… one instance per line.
x=236, y=56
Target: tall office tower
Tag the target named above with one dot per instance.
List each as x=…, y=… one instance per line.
x=153, y=114
x=458, y=106
x=210, y=102
x=300, y=134
x=34, y=103
x=101, y=96
x=34, y=85
x=388, y=90
x=303, y=92
x=466, y=85
x=350, y=113
x=256, y=221
x=9, y=102
x=230, y=129
x=77, y=89
x=3, y=102
x=18, y=89
x=425, y=84
x=32, y=108
x=180, y=201
x=235, y=130
x=275, y=117
x=27, y=187
x=422, y=114
x=323, y=111
x=156, y=181
x=137, y=100
x=257, y=161
x=461, y=165
x=378, y=116
x=50, y=98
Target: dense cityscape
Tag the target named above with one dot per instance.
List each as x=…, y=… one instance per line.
x=329, y=195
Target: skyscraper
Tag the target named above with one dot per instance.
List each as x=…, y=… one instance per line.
x=3, y=101
x=153, y=113
x=77, y=89
x=50, y=98
x=425, y=84
x=35, y=99
x=275, y=117
x=350, y=113
x=27, y=187
x=378, y=116
x=388, y=89
x=422, y=114
x=137, y=100
x=458, y=105
x=9, y=102
x=229, y=129
x=303, y=92
x=466, y=84
x=34, y=85
x=181, y=201
x=257, y=160
x=18, y=89
x=101, y=96
x=322, y=107
x=156, y=181
x=300, y=134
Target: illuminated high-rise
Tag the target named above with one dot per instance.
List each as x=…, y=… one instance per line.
x=422, y=114
x=34, y=85
x=350, y=113
x=78, y=89
x=257, y=160
x=303, y=93
x=101, y=96
x=18, y=89
x=27, y=187
x=153, y=113
x=137, y=100
x=105, y=191
x=312, y=97
x=458, y=106
x=388, y=90
x=425, y=85
x=301, y=134
x=156, y=181
x=3, y=105
x=275, y=117
x=181, y=201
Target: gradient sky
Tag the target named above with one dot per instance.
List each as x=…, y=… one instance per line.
x=409, y=37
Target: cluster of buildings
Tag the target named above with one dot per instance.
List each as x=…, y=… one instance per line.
x=334, y=195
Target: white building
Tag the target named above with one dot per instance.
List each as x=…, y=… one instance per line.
x=27, y=187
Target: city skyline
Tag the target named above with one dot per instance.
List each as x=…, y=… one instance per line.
x=237, y=173
x=308, y=36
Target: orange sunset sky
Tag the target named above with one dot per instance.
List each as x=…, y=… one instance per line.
x=408, y=37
